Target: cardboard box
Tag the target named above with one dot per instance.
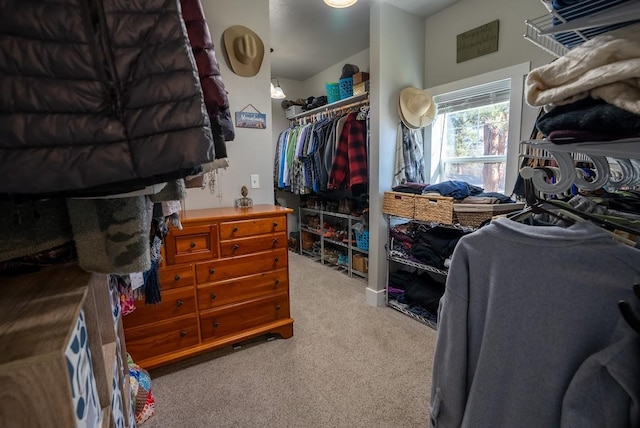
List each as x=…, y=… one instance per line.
x=360, y=262
x=360, y=76
x=292, y=111
x=361, y=88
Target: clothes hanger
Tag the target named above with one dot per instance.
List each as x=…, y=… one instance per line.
x=627, y=311
x=566, y=213
x=606, y=224
x=535, y=205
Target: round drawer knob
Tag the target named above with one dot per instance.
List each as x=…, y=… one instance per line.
x=179, y=303
x=235, y=247
x=192, y=244
x=235, y=229
x=276, y=260
x=183, y=333
x=216, y=324
x=176, y=278
x=212, y=271
x=213, y=296
x=275, y=242
x=277, y=307
x=276, y=282
x=275, y=224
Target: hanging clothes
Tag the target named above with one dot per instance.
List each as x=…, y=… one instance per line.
x=525, y=311
x=305, y=154
x=409, y=156
x=349, y=166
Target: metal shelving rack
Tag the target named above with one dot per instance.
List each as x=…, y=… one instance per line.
x=557, y=33
x=406, y=262
x=350, y=247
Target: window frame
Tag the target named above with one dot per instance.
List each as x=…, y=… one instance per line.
x=516, y=74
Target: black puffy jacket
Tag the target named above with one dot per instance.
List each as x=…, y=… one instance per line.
x=97, y=94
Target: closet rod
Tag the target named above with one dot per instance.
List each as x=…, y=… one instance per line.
x=320, y=111
x=337, y=104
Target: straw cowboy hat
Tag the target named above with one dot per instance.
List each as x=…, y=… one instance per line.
x=245, y=50
x=416, y=107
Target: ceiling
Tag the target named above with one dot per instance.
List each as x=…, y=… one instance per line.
x=308, y=36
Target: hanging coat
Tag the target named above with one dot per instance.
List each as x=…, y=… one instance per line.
x=100, y=94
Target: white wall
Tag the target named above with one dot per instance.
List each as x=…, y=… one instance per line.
x=315, y=84
x=513, y=48
x=397, y=61
x=252, y=150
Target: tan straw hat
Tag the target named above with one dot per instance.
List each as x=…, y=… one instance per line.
x=416, y=107
x=245, y=50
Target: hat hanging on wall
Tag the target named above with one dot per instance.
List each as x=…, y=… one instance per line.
x=416, y=107
x=244, y=49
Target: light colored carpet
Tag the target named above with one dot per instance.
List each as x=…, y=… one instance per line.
x=348, y=364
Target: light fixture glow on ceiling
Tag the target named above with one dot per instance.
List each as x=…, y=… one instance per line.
x=340, y=3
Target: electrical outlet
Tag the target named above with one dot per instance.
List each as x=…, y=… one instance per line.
x=255, y=181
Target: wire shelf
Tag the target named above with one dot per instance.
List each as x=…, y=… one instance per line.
x=561, y=30
x=404, y=309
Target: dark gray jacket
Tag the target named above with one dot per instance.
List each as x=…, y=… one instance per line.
x=97, y=94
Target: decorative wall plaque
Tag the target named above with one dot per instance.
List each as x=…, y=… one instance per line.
x=477, y=42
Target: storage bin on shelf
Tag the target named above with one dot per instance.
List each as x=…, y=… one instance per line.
x=399, y=204
x=346, y=87
x=435, y=208
x=362, y=239
x=333, y=91
x=360, y=88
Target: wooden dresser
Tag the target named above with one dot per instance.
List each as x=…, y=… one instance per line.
x=225, y=279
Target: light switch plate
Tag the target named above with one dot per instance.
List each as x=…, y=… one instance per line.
x=255, y=181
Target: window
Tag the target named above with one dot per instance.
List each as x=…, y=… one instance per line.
x=470, y=134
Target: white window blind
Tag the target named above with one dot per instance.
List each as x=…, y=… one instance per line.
x=475, y=96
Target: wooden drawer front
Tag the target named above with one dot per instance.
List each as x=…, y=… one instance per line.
x=242, y=246
x=235, y=318
x=242, y=228
x=176, y=276
x=161, y=338
x=241, y=289
x=221, y=270
x=191, y=244
x=175, y=303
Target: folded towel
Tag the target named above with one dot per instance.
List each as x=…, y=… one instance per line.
x=590, y=115
x=606, y=67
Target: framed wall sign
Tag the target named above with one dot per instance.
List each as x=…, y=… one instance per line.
x=248, y=119
x=477, y=42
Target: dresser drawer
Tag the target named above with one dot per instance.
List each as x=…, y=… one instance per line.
x=161, y=338
x=241, y=289
x=243, y=228
x=175, y=303
x=235, y=318
x=230, y=268
x=191, y=244
x=242, y=246
x=176, y=276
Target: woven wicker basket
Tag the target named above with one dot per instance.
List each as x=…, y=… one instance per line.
x=398, y=204
x=438, y=209
x=474, y=215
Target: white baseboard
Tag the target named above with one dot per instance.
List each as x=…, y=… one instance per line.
x=376, y=298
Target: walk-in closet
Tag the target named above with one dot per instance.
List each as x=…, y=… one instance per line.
x=320, y=213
